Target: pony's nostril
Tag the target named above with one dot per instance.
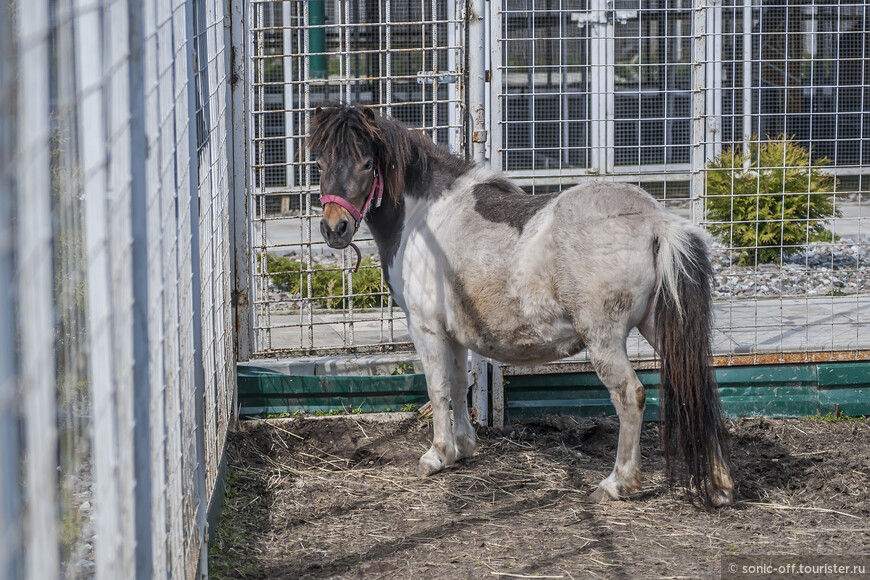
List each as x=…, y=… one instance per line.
x=342, y=228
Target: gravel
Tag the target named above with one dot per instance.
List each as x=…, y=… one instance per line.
x=822, y=269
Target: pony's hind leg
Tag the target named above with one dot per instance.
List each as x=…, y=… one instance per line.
x=466, y=438
x=444, y=363
x=627, y=394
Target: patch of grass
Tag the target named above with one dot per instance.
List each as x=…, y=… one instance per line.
x=770, y=202
x=327, y=289
x=281, y=415
x=836, y=417
x=237, y=525
x=410, y=408
x=403, y=369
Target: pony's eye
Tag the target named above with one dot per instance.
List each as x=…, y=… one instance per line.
x=367, y=166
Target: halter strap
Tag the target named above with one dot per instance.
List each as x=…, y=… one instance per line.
x=376, y=194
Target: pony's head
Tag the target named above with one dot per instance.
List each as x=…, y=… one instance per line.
x=360, y=159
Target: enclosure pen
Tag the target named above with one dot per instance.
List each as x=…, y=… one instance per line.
x=160, y=222
x=750, y=119
x=117, y=367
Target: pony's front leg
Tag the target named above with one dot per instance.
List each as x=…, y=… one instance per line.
x=444, y=363
x=627, y=394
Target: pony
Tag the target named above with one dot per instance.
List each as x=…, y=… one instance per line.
x=476, y=263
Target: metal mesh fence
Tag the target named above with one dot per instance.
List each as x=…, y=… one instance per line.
x=748, y=117
x=117, y=363
x=403, y=58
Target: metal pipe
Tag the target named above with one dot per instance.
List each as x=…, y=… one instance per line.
x=747, y=75
x=699, y=131
x=316, y=39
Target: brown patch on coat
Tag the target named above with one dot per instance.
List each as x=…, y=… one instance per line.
x=501, y=201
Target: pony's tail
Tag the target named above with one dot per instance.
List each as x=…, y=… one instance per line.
x=693, y=436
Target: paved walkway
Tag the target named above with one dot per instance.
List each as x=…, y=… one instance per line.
x=817, y=324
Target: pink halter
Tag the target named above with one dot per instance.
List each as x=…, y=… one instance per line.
x=375, y=194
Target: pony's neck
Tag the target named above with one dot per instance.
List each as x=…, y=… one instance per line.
x=435, y=170
x=426, y=179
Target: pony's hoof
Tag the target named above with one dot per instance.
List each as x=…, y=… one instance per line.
x=721, y=497
x=601, y=495
x=429, y=465
x=465, y=447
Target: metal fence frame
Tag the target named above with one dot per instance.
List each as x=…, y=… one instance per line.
x=148, y=99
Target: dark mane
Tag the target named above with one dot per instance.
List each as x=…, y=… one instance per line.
x=403, y=155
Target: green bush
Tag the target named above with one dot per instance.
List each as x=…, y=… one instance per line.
x=770, y=203
x=289, y=275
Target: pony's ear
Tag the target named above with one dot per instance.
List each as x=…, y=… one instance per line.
x=318, y=110
x=368, y=113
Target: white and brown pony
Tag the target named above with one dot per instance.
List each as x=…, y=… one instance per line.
x=477, y=264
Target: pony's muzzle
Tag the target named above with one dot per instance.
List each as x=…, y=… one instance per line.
x=336, y=227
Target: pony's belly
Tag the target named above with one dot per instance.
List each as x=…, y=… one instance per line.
x=546, y=345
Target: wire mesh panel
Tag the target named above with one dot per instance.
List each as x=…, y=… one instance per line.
x=587, y=88
x=748, y=117
x=116, y=354
x=214, y=226
x=406, y=60
x=169, y=125
x=785, y=177
x=101, y=83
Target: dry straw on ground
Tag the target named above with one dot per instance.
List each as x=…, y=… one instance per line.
x=338, y=499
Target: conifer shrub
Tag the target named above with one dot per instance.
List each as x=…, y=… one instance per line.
x=771, y=202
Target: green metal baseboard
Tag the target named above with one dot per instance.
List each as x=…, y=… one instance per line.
x=770, y=390
x=264, y=392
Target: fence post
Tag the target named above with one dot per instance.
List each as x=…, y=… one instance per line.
x=196, y=285
x=34, y=292
x=139, y=257
x=238, y=76
x=477, y=59
x=10, y=450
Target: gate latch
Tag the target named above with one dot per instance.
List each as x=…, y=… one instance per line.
x=425, y=77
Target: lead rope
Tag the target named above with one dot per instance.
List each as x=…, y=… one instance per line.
x=358, y=257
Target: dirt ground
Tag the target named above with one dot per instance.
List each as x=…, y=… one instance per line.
x=338, y=498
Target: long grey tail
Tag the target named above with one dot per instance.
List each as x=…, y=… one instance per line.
x=692, y=433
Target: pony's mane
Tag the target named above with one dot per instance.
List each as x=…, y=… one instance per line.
x=345, y=129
